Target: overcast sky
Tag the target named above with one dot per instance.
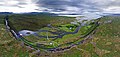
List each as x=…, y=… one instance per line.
x=80, y=7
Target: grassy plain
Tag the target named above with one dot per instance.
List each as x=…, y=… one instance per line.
x=104, y=43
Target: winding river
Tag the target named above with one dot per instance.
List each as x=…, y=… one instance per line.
x=22, y=33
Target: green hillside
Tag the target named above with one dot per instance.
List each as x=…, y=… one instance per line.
x=103, y=42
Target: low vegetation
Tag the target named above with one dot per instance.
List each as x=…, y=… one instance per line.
x=104, y=42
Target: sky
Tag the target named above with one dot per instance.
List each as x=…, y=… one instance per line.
x=62, y=7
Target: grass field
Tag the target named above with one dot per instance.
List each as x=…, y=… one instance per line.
x=105, y=42
x=35, y=22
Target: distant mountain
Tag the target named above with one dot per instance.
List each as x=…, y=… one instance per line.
x=31, y=13
x=115, y=15
x=6, y=12
x=41, y=13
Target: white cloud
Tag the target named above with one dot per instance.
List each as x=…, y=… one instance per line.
x=9, y=3
x=84, y=7
x=14, y=6
x=16, y=9
x=112, y=9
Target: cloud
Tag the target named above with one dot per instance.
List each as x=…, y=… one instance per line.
x=68, y=6
x=62, y=7
x=18, y=6
x=82, y=7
